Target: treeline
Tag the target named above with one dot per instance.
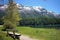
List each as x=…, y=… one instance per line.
x=40, y=21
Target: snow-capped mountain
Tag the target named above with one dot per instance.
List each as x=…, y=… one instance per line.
x=29, y=11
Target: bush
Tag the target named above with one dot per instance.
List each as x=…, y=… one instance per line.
x=4, y=37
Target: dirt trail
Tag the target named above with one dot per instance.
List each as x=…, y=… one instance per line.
x=24, y=37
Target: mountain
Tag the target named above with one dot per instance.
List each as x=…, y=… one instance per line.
x=30, y=11
x=33, y=15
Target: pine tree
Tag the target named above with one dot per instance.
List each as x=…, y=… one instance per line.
x=11, y=19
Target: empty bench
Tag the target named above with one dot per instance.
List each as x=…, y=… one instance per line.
x=14, y=35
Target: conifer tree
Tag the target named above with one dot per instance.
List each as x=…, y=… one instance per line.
x=11, y=19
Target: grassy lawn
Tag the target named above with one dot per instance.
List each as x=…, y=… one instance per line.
x=3, y=35
x=40, y=33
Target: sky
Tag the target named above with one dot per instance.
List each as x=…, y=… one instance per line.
x=51, y=5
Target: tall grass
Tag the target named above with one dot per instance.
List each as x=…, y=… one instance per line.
x=3, y=35
x=40, y=33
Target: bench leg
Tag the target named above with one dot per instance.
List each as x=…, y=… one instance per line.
x=19, y=38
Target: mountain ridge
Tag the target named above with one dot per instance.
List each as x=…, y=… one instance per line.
x=32, y=11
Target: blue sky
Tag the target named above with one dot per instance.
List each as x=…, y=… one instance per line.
x=53, y=5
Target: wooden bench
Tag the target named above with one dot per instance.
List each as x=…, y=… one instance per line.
x=14, y=36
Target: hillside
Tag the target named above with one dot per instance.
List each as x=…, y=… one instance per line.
x=31, y=11
x=34, y=15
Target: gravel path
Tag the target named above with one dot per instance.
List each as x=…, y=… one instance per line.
x=23, y=37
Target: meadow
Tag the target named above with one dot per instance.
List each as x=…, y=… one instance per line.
x=37, y=33
x=3, y=35
x=40, y=33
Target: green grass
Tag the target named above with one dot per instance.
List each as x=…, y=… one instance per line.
x=40, y=33
x=3, y=35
